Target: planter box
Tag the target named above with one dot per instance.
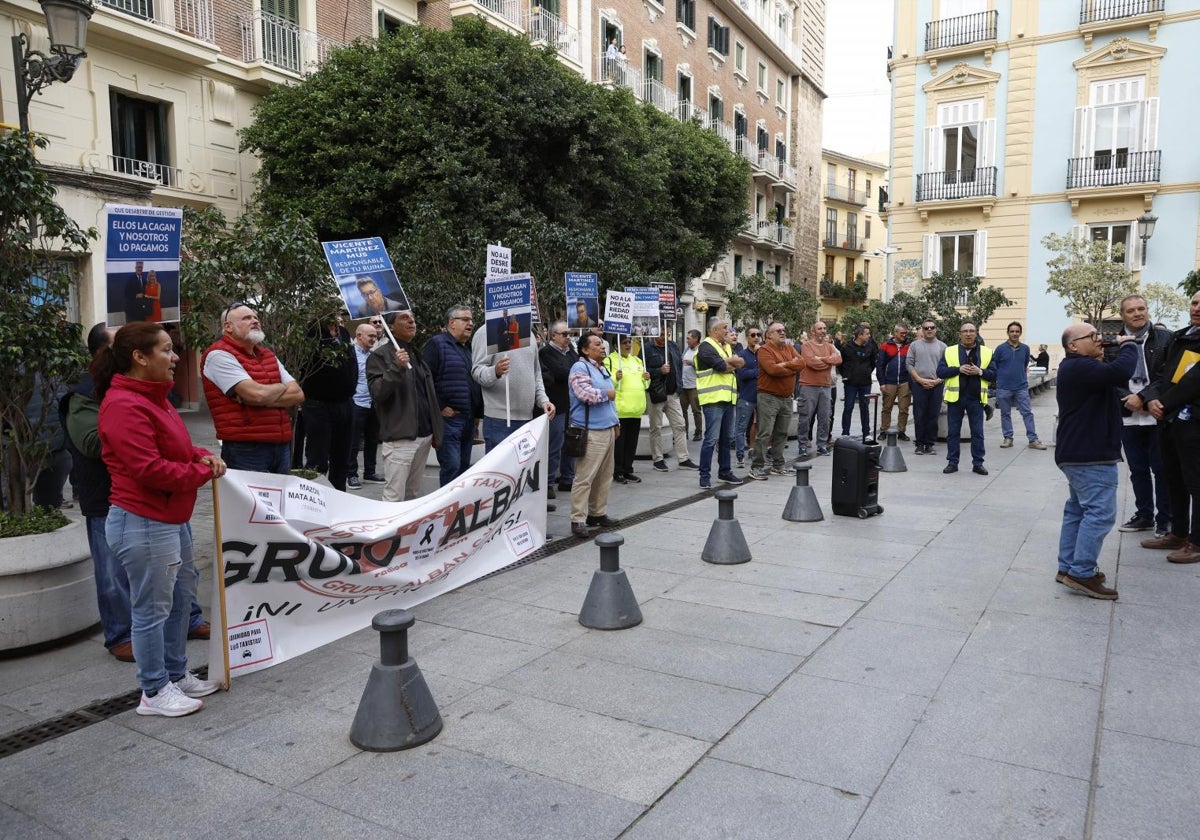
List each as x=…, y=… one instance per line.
x=47, y=588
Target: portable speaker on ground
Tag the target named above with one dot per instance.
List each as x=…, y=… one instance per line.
x=855, y=478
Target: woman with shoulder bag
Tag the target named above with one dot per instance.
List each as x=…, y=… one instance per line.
x=593, y=408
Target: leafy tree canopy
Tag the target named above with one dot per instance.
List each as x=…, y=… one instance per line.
x=1085, y=275
x=756, y=302
x=443, y=141
x=1165, y=304
x=1191, y=283
x=40, y=351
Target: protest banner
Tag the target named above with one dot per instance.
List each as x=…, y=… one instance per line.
x=365, y=277
x=301, y=564
x=645, y=310
x=141, y=263
x=618, y=313
x=583, y=299
x=499, y=261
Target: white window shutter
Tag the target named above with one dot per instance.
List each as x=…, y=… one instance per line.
x=1133, y=251
x=1082, y=146
x=1150, y=124
x=1079, y=232
x=931, y=255
x=980, y=267
x=987, y=143
x=933, y=149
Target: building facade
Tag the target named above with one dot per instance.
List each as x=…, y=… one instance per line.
x=849, y=263
x=1014, y=119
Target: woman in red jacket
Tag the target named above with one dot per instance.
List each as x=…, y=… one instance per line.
x=155, y=474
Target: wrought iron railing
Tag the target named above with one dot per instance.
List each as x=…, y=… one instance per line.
x=787, y=172
x=776, y=25
x=618, y=71
x=841, y=193
x=282, y=43
x=1091, y=11
x=658, y=95
x=168, y=176
x=188, y=17
x=957, y=31
x=510, y=10
x=545, y=27
x=1112, y=168
x=956, y=183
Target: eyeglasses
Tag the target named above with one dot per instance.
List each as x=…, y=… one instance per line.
x=1093, y=336
x=929, y=327
x=461, y=318
x=755, y=335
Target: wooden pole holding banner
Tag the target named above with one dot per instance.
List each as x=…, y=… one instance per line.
x=219, y=584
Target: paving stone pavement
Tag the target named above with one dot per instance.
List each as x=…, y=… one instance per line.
x=915, y=675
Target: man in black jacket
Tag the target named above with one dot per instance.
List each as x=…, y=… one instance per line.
x=328, y=401
x=556, y=357
x=858, y=365
x=1173, y=398
x=665, y=365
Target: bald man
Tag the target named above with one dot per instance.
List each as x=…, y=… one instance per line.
x=1087, y=452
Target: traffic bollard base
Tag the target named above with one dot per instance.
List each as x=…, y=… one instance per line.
x=610, y=603
x=397, y=711
x=726, y=544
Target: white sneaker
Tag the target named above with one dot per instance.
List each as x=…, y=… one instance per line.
x=193, y=686
x=169, y=702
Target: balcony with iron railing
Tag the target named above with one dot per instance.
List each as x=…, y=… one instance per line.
x=846, y=195
x=965, y=30
x=191, y=18
x=745, y=146
x=167, y=176
x=723, y=130
x=766, y=165
x=765, y=15
x=544, y=27
x=282, y=44
x=1114, y=169
x=956, y=183
x=655, y=93
x=1093, y=11
x=618, y=72
x=509, y=15
x=785, y=173
x=849, y=241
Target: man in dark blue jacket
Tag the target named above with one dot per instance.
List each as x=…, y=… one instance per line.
x=448, y=355
x=891, y=370
x=1089, y=447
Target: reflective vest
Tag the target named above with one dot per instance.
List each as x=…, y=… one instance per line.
x=985, y=359
x=631, y=388
x=712, y=386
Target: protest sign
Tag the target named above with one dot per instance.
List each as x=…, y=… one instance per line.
x=302, y=564
x=583, y=299
x=618, y=313
x=508, y=311
x=667, y=303
x=365, y=277
x=645, y=310
x=141, y=263
x=499, y=261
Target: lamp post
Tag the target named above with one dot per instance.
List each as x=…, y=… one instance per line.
x=1145, y=229
x=886, y=252
x=66, y=24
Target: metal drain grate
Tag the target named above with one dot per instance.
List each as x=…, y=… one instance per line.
x=100, y=710
x=81, y=718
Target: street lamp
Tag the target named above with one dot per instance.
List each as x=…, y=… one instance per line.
x=66, y=24
x=1146, y=224
x=886, y=252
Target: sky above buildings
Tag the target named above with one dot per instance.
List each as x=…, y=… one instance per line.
x=858, y=110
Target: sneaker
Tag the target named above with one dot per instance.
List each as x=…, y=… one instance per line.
x=988, y=411
x=803, y=453
x=824, y=450
x=731, y=478
x=619, y=479
x=194, y=687
x=1092, y=587
x=551, y=493
x=1162, y=530
x=1168, y=541
x=374, y=478
x=1190, y=553
x=605, y=521
x=169, y=701
x=352, y=483
x=783, y=470
x=741, y=461
x=1137, y=523
x=1006, y=444
x=632, y=479
x=564, y=486
x=1036, y=444
x=757, y=473
x=705, y=484
x=903, y=437
x=697, y=436
x=1061, y=577
x=661, y=465
x=688, y=464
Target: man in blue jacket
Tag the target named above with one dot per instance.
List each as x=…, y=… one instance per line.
x=1012, y=386
x=747, y=396
x=1089, y=447
x=891, y=370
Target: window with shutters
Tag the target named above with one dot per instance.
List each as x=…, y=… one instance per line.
x=943, y=253
x=1116, y=136
x=718, y=37
x=831, y=219
x=739, y=57
x=851, y=240
x=1114, y=234
x=685, y=13
x=281, y=33
x=959, y=153
x=140, y=138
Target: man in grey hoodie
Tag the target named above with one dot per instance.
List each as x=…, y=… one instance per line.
x=523, y=370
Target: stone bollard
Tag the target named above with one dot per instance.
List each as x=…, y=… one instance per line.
x=891, y=459
x=610, y=603
x=726, y=543
x=396, y=712
x=802, y=504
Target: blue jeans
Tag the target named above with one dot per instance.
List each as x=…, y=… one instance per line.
x=1088, y=516
x=257, y=457
x=496, y=430
x=852, y=394
x=454, y=449
x=365, y=437
x=719, y=419
x=745, y=412
x=157, y=558
x=1142, y=454
x=1005, y=400
x=926, y=405
x=562, y=467
x=112, y=585
x=973, y=408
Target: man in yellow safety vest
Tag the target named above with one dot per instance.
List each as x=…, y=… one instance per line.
x=967, y=369
x=716, y=388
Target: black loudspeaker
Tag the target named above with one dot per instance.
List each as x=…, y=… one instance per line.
x=855, y=478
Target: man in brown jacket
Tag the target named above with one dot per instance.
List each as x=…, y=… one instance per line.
x=778, y=364
x=818, y=357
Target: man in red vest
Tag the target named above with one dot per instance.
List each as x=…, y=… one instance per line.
x=249, y=392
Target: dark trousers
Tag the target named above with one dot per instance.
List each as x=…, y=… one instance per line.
x=972, y=408
x=327, y=428
x=366, y=438
x=1179, y=444
x=926, y=405
x=626, y=449
x=48, y=486
x=454, y=449
x=856, y=394
x=1141, y=452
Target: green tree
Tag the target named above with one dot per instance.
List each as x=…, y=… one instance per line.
x=1191, y=283
x=755, y=301
x=1164, y=303
x=1085, y=275
x=951, y=299
x=39, y=350
x=443, y=141
x=275, y=264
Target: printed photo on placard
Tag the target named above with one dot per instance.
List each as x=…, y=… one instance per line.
x=141, y=264
x=583, y=300
x=365, y=277
x=509, y=312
